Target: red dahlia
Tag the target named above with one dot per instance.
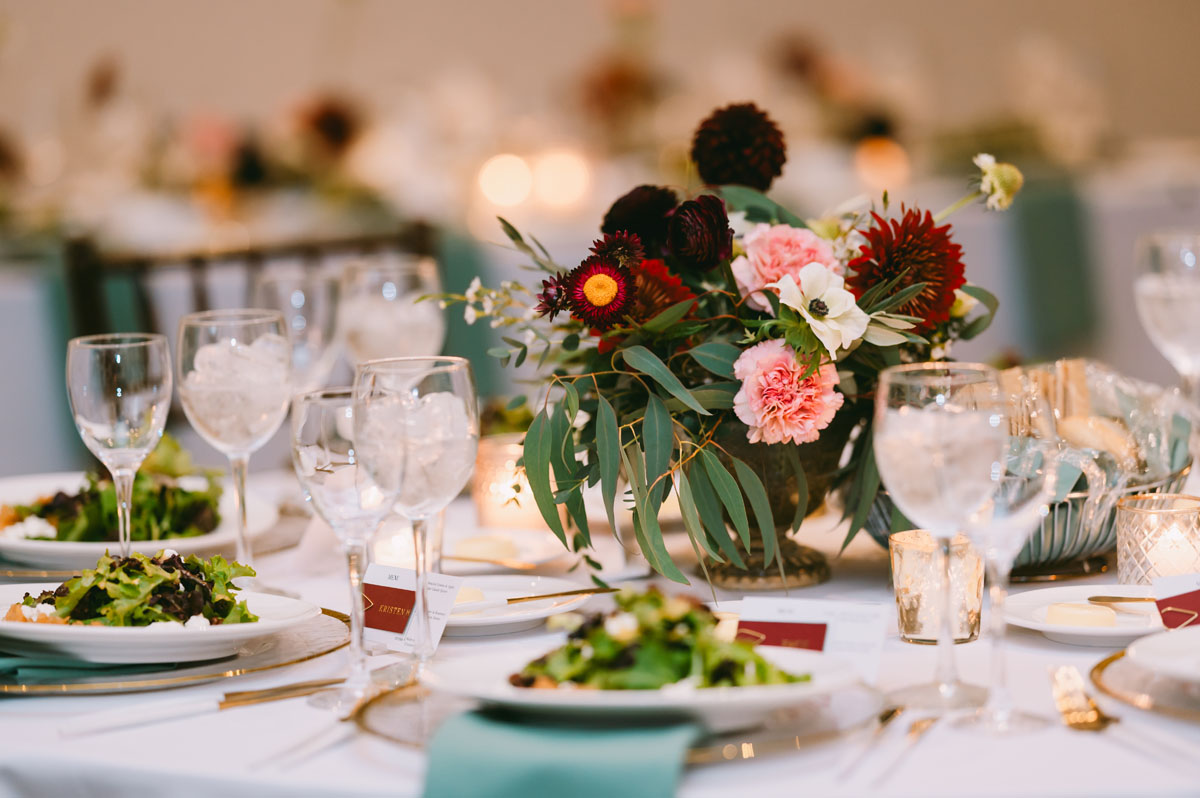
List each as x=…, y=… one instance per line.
x=655, y=290
x=599, y=292
x=915, y=244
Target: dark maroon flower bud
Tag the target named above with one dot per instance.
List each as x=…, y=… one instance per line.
x=643, y=212
x=699, y=236
x=553, y=298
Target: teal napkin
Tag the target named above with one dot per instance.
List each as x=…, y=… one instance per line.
x=38, y=670
x=489, y=755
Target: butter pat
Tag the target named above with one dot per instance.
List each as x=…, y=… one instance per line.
x=467, y=593
x=486, y=547
x=1081, y=615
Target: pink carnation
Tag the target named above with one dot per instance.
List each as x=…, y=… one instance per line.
x=775, y=403
x=773, y=251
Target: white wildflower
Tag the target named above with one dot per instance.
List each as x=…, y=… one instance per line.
x=964, y=303
x=999, y=181
x=830, y=310
x=470, y=315
x=473, y=289
x=488, y=305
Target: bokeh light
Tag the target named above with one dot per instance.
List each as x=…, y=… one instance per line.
x=505, y=180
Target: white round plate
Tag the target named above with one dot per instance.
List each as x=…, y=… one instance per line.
x=514, y=617
x=485, y=679
x=1028, y=610
x=261, y=516
x=1174, y=653
x=537, y=547
x=130, y=645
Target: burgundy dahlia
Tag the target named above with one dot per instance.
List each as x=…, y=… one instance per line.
x=739, y=145
x=699, y=236
x=915, y=247
x=553, y=298
x=625, y=248
x=599, y=292
x=643, y=212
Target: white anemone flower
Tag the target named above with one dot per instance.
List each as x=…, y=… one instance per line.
x=830, y=310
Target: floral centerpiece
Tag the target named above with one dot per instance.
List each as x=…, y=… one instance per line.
x=719, y=346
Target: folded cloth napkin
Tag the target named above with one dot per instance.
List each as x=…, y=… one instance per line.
x=492, y=755
x=38, y=670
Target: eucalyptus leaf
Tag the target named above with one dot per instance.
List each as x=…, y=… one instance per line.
x=989, y=301
x=757, y=206
x=658, y=442
x=716, y=356
x=691, y=517
x=669, y=316
x=608, y=450
x=709, y=508
x=537, y=470
x=753, y=488
x=642, y=359
x=729, y=494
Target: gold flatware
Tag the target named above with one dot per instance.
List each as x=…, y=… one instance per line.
x=1080, y=712
x=473, y=606
x=503, y=562
x=881, y=723
x=1120, y=599
x=109, y=720
x=916, y=730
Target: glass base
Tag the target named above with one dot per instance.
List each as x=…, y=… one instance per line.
x=939, y=697
x=346, y=699
x=988, y=721
x=256, y=585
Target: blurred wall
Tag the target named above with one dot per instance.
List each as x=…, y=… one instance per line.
x=247, y=57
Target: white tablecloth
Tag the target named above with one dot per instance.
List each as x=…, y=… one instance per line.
x=233, y=752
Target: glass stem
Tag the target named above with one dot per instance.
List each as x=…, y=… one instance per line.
x=422, y=642
x=356, y=558
x=123, y=484
x=947, y=669
x=1191, y=387
x=237, y=469
x=999, y=701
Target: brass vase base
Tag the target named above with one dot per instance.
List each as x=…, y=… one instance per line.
x=802, y=567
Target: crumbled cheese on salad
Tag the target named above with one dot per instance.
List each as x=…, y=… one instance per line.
x=32, y=528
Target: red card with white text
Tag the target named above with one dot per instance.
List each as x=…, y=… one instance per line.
x=388, y=598
x=851, y=630
x=1179, y=600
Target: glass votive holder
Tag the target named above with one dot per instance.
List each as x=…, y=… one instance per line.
x=499, y=489
x=1158, y=534
x=918, y=575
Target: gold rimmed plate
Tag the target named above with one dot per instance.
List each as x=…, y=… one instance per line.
x=1120, y=678
x=310, y=639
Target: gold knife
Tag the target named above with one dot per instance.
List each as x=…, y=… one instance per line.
x=487, y=604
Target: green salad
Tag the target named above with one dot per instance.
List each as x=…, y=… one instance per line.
x=161, y=508
x=650, y=641
x=140, y=590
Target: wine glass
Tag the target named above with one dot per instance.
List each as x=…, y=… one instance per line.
x=309, y=304
x=235, y=383
x=119, y=388
x=1168, y=301
x=380, y=314
x=343, y=493
x=940, y=438
x=417, y=426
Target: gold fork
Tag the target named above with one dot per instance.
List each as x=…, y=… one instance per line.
x=1080, y=712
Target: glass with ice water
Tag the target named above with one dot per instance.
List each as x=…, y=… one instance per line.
x=1168, y=300
x=235, y=384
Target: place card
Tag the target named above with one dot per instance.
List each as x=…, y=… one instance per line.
x=852, y=630
x=1179, y=600
x=389, y=595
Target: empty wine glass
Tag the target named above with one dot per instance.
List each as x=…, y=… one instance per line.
x=417, y=427
x=940, y=437
x=308, y=301
x=1168, y=300
x=119, y=388
x=380, y=314
x=352, y=503
x=235, y=383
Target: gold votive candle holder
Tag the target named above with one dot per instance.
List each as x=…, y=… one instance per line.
x=1158, y=534
x=917, y=577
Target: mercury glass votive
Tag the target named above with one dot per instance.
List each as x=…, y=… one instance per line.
x=917, y=576
x=1158, y=534
x=500, y=490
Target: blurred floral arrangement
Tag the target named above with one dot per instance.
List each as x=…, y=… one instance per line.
x=701, y=333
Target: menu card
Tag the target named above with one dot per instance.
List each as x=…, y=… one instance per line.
x=852, y=630
x=1179, y=600
x=389, y=595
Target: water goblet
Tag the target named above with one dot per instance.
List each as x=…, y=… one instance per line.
x=119, y=387
x=417, y=426
x=235, y=384
x=380, y=314
x=346, y=496
x=1167, y=291
x=940, y=437
x=309, y=303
